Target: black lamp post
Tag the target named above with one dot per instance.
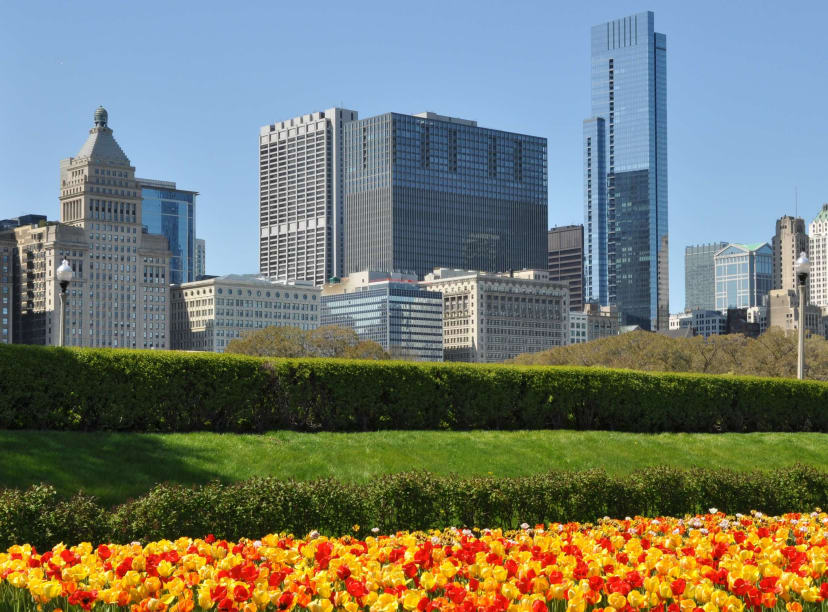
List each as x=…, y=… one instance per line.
x=64, y=275
x=803, y=267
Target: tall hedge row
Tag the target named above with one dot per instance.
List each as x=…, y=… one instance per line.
x=415, y=500
x=165, y=391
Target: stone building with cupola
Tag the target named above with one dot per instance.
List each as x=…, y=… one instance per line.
x=119, y=292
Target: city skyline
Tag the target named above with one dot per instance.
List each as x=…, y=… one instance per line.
x=744, y=129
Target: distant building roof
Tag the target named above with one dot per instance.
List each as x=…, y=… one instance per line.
x=822, y=215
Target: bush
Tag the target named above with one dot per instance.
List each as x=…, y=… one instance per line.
x=167, y=391
x=415, y=500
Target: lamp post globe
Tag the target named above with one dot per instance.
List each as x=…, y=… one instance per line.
x=802, y=267
x=64, y=272
x=64, y=275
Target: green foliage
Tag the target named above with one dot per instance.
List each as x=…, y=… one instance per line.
x=414, y=500
x=292, y=342
x=157, y=391
x=772, y=354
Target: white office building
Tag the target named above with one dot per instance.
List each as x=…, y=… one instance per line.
x=301, y=192
x=208, y=314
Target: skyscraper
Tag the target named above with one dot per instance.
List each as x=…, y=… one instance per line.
x=170, y=211
x=625, y=172
x=301, y=196
x=744, y=275
x=566, y=261
x=700, y=276
x=788, y=242
x=818, y=281
x=424, y=191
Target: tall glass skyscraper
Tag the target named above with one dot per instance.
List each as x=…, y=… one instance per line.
x=170, y=211
x=425, y=191
x=625, y=172
x=700, y=276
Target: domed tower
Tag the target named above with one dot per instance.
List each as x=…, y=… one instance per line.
x=101, y=117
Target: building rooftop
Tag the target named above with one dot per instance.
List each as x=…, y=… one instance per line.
x=250, y=279
x=101, y=144
x=822, y=215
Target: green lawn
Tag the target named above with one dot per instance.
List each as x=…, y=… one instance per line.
x=115, y=467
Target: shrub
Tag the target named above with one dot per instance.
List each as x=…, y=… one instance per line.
x=168, y=391
x=415, y=500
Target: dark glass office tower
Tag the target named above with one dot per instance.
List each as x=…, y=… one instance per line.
x=625, y=172
x=425, y=191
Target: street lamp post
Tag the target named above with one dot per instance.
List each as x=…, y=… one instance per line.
x=803, y=267
x=64, y=275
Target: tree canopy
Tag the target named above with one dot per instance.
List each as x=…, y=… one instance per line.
x=325, y=341
x=772, y=354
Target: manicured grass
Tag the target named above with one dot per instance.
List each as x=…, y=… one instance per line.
x=115, y=467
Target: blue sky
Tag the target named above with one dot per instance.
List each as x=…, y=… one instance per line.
x=188, y=84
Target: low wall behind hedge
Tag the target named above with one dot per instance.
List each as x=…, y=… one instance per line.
x=415, y=500
x=167, y=391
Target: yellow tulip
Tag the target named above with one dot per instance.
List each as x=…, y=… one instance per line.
x=320, y=605
x=448, y=569
x=719, y=598
x=617, y=600
x=52, y=589
x=204, y=599
x=510, y=591
x=411, y=599
x=636, y=599
x=427, y=580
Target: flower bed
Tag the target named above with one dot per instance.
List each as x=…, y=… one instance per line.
x=707, y=562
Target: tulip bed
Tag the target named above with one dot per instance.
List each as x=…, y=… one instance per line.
x=706, y=562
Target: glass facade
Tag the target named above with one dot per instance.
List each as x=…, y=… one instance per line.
x=700, y=276
x=429, y=191
x=744, y=275
x=625, y=172
x=171, y=212
x=406, y=321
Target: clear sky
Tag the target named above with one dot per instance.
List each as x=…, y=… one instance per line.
x=188, y=84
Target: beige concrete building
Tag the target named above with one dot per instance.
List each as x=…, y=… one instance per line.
x=818, y=280
x=489, y=317
x=119, y=294
x=200, y=258
x=789, y=241
x=703, y=322
x=301, y=194
x=208, y=314
x=783, y=313
x=593, y=322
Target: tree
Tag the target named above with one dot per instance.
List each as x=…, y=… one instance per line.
x=331, y=341
x=271, y=342
x=326, y=341
x=772, y=354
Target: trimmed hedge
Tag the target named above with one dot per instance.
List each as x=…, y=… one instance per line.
x=414, y=500
x=168, y=391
